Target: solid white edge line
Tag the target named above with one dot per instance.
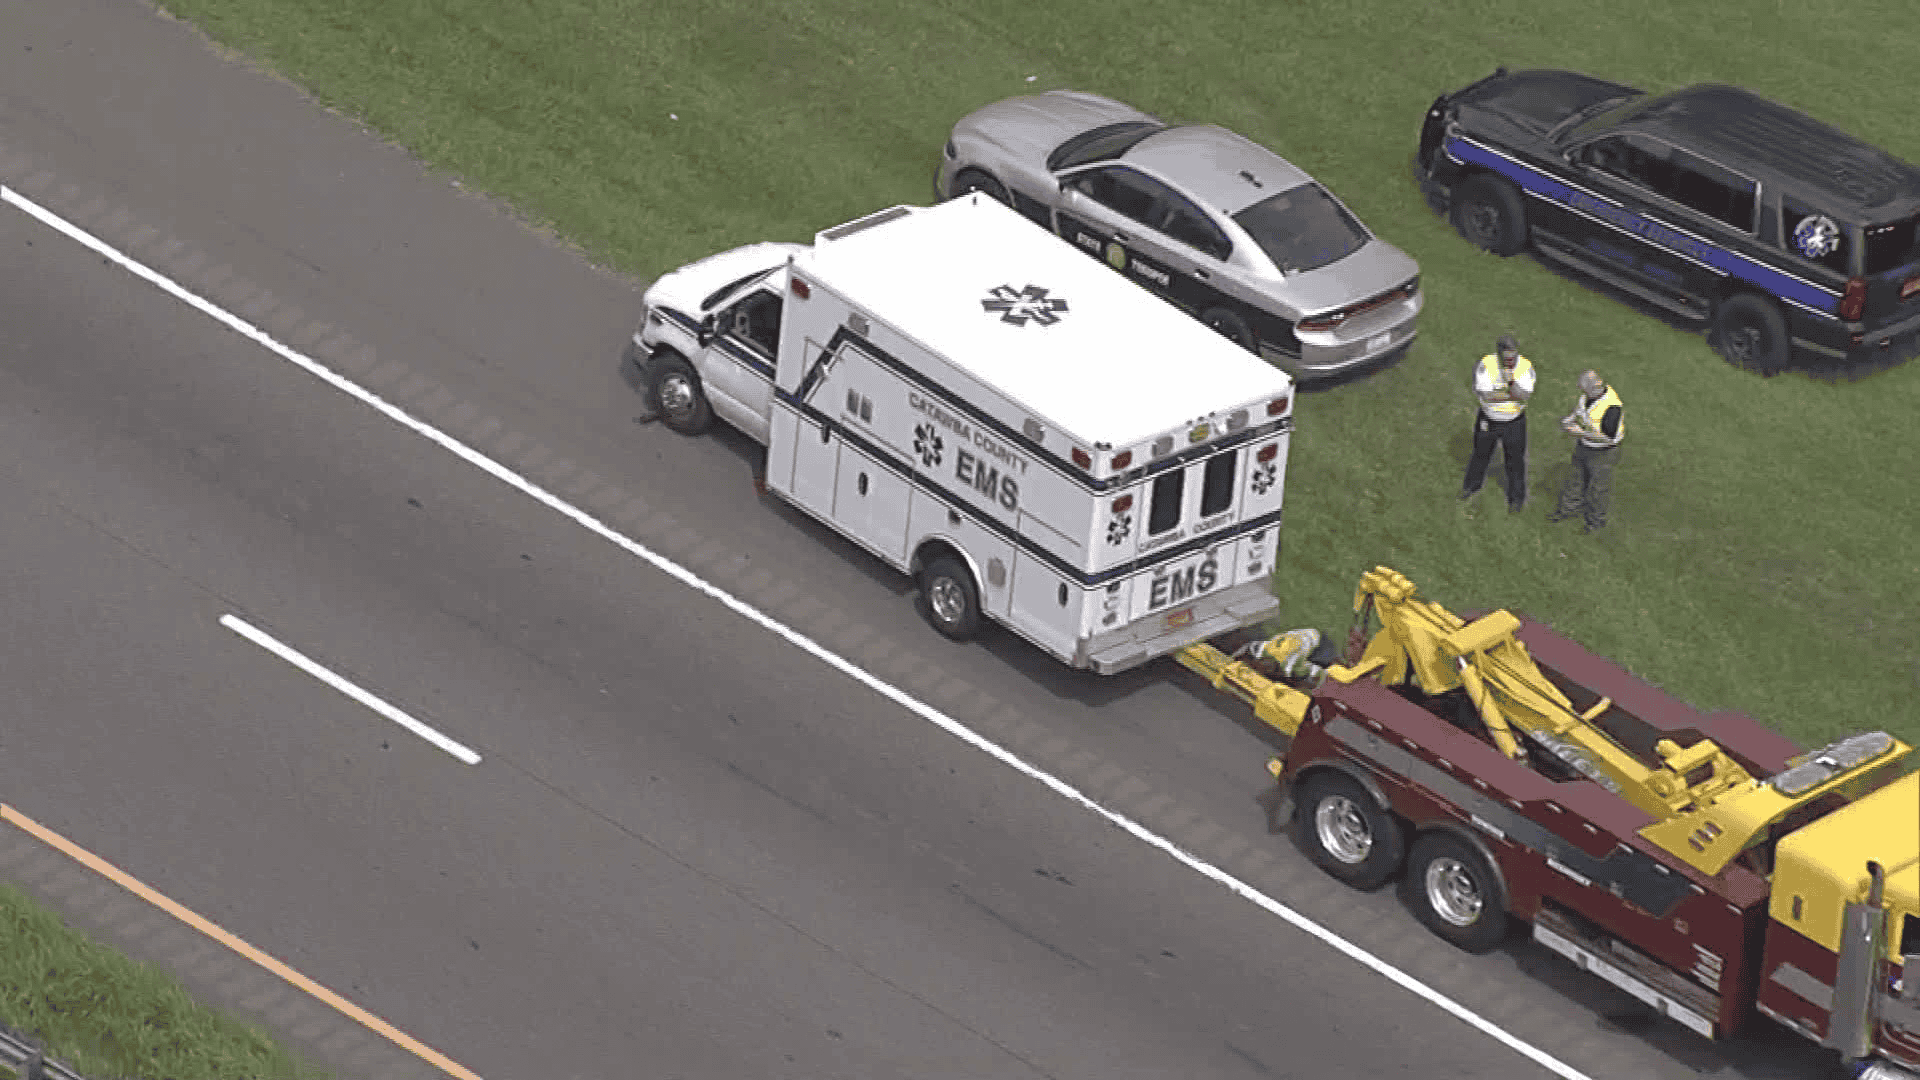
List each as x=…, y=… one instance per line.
x=284, y=652
x=805, y=644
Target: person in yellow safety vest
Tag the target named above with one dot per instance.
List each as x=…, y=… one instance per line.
x=1597, y=424
x=1503, y=381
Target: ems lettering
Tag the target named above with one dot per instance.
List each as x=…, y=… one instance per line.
x=1184, y=584
x=986, y=480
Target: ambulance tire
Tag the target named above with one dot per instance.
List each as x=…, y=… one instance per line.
x=1345, y=832
x=950, y=598
x=1228, y=325
x=1455, y=893
x=968, y=180
x=674, y=390
x=1487, y=211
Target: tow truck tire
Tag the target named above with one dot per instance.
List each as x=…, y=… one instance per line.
x=952, y=601
x=1339, y=826
x=1750, y=333
x=1487, y=211
x=1453, y=891
x=1228, y=325
x=967, y=180
x=675, y=391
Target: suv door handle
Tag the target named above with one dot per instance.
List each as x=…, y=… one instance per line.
x=1120, y=236
x=1199, y=273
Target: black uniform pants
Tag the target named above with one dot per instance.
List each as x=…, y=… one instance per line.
x=1511, y=436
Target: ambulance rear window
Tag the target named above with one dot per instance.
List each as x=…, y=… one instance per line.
x=1168, y=488
x=1216, y=494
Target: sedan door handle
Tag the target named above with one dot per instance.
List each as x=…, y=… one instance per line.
x=1120, y=236
x=1199, y=273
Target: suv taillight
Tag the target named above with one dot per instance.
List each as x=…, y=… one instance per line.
x=1323, y=322
x=1854, y=301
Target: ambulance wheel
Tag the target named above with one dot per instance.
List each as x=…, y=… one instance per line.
x=1487, y=211
x=1339, y=826
x=968, y=180
x=1750, y=333
x=952, y=600
x=1453, y=891
x=677, y=395
x=1230, y=326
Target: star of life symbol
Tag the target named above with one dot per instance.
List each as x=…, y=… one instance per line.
x=1816, y=236
x=1118, y=528
x=1263, y=478
x=927, y=443
x=1016, y=306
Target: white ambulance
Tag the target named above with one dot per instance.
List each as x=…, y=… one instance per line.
x=1036, y=440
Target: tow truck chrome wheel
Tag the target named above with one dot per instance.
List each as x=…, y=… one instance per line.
x=1343, y=832
x=1455, y=889
x=1452, y=892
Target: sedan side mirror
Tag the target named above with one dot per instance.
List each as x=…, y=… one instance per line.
x=706, y=330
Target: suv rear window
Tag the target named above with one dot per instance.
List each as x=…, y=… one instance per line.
x=1302, y=229
x=1100, y=144
x=1892, y=246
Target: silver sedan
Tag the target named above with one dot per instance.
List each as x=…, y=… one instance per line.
x=1219, y=225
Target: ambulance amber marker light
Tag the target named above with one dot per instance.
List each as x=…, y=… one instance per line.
x=1082, y=458
x=799, y=288
x=1278, y=405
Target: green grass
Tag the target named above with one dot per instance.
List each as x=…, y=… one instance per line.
x=1761, y=555
x=108, y=1016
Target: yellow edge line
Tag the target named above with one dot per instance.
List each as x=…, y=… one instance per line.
x=128, y=882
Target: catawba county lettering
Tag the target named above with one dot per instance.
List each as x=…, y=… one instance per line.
x=987, y=465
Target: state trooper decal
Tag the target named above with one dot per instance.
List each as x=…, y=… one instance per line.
x=1816, y=236
x=1016, y=306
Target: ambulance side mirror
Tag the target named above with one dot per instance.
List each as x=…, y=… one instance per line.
x=706, y=329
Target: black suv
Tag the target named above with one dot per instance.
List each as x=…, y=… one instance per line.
x=1795, y=240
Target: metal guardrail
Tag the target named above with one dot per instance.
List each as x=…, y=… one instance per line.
x=28, y=1059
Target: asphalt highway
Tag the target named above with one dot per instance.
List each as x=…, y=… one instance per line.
x=689, y=849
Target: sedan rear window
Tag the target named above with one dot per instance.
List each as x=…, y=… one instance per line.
x=1302, y=229
x=1101, y=144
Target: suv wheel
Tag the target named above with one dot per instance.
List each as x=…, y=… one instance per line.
x=1487, y=211
x=1750, y=333
x=968, y=180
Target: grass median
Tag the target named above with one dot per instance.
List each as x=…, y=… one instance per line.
x=106, y=1015
x=1761, y=555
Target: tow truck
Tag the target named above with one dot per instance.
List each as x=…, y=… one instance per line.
x=1702, y=863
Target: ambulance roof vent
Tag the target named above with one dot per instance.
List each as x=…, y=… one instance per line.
x=857, y=323
x=1032, y=429
x=1163, y=446
x=840, y=232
